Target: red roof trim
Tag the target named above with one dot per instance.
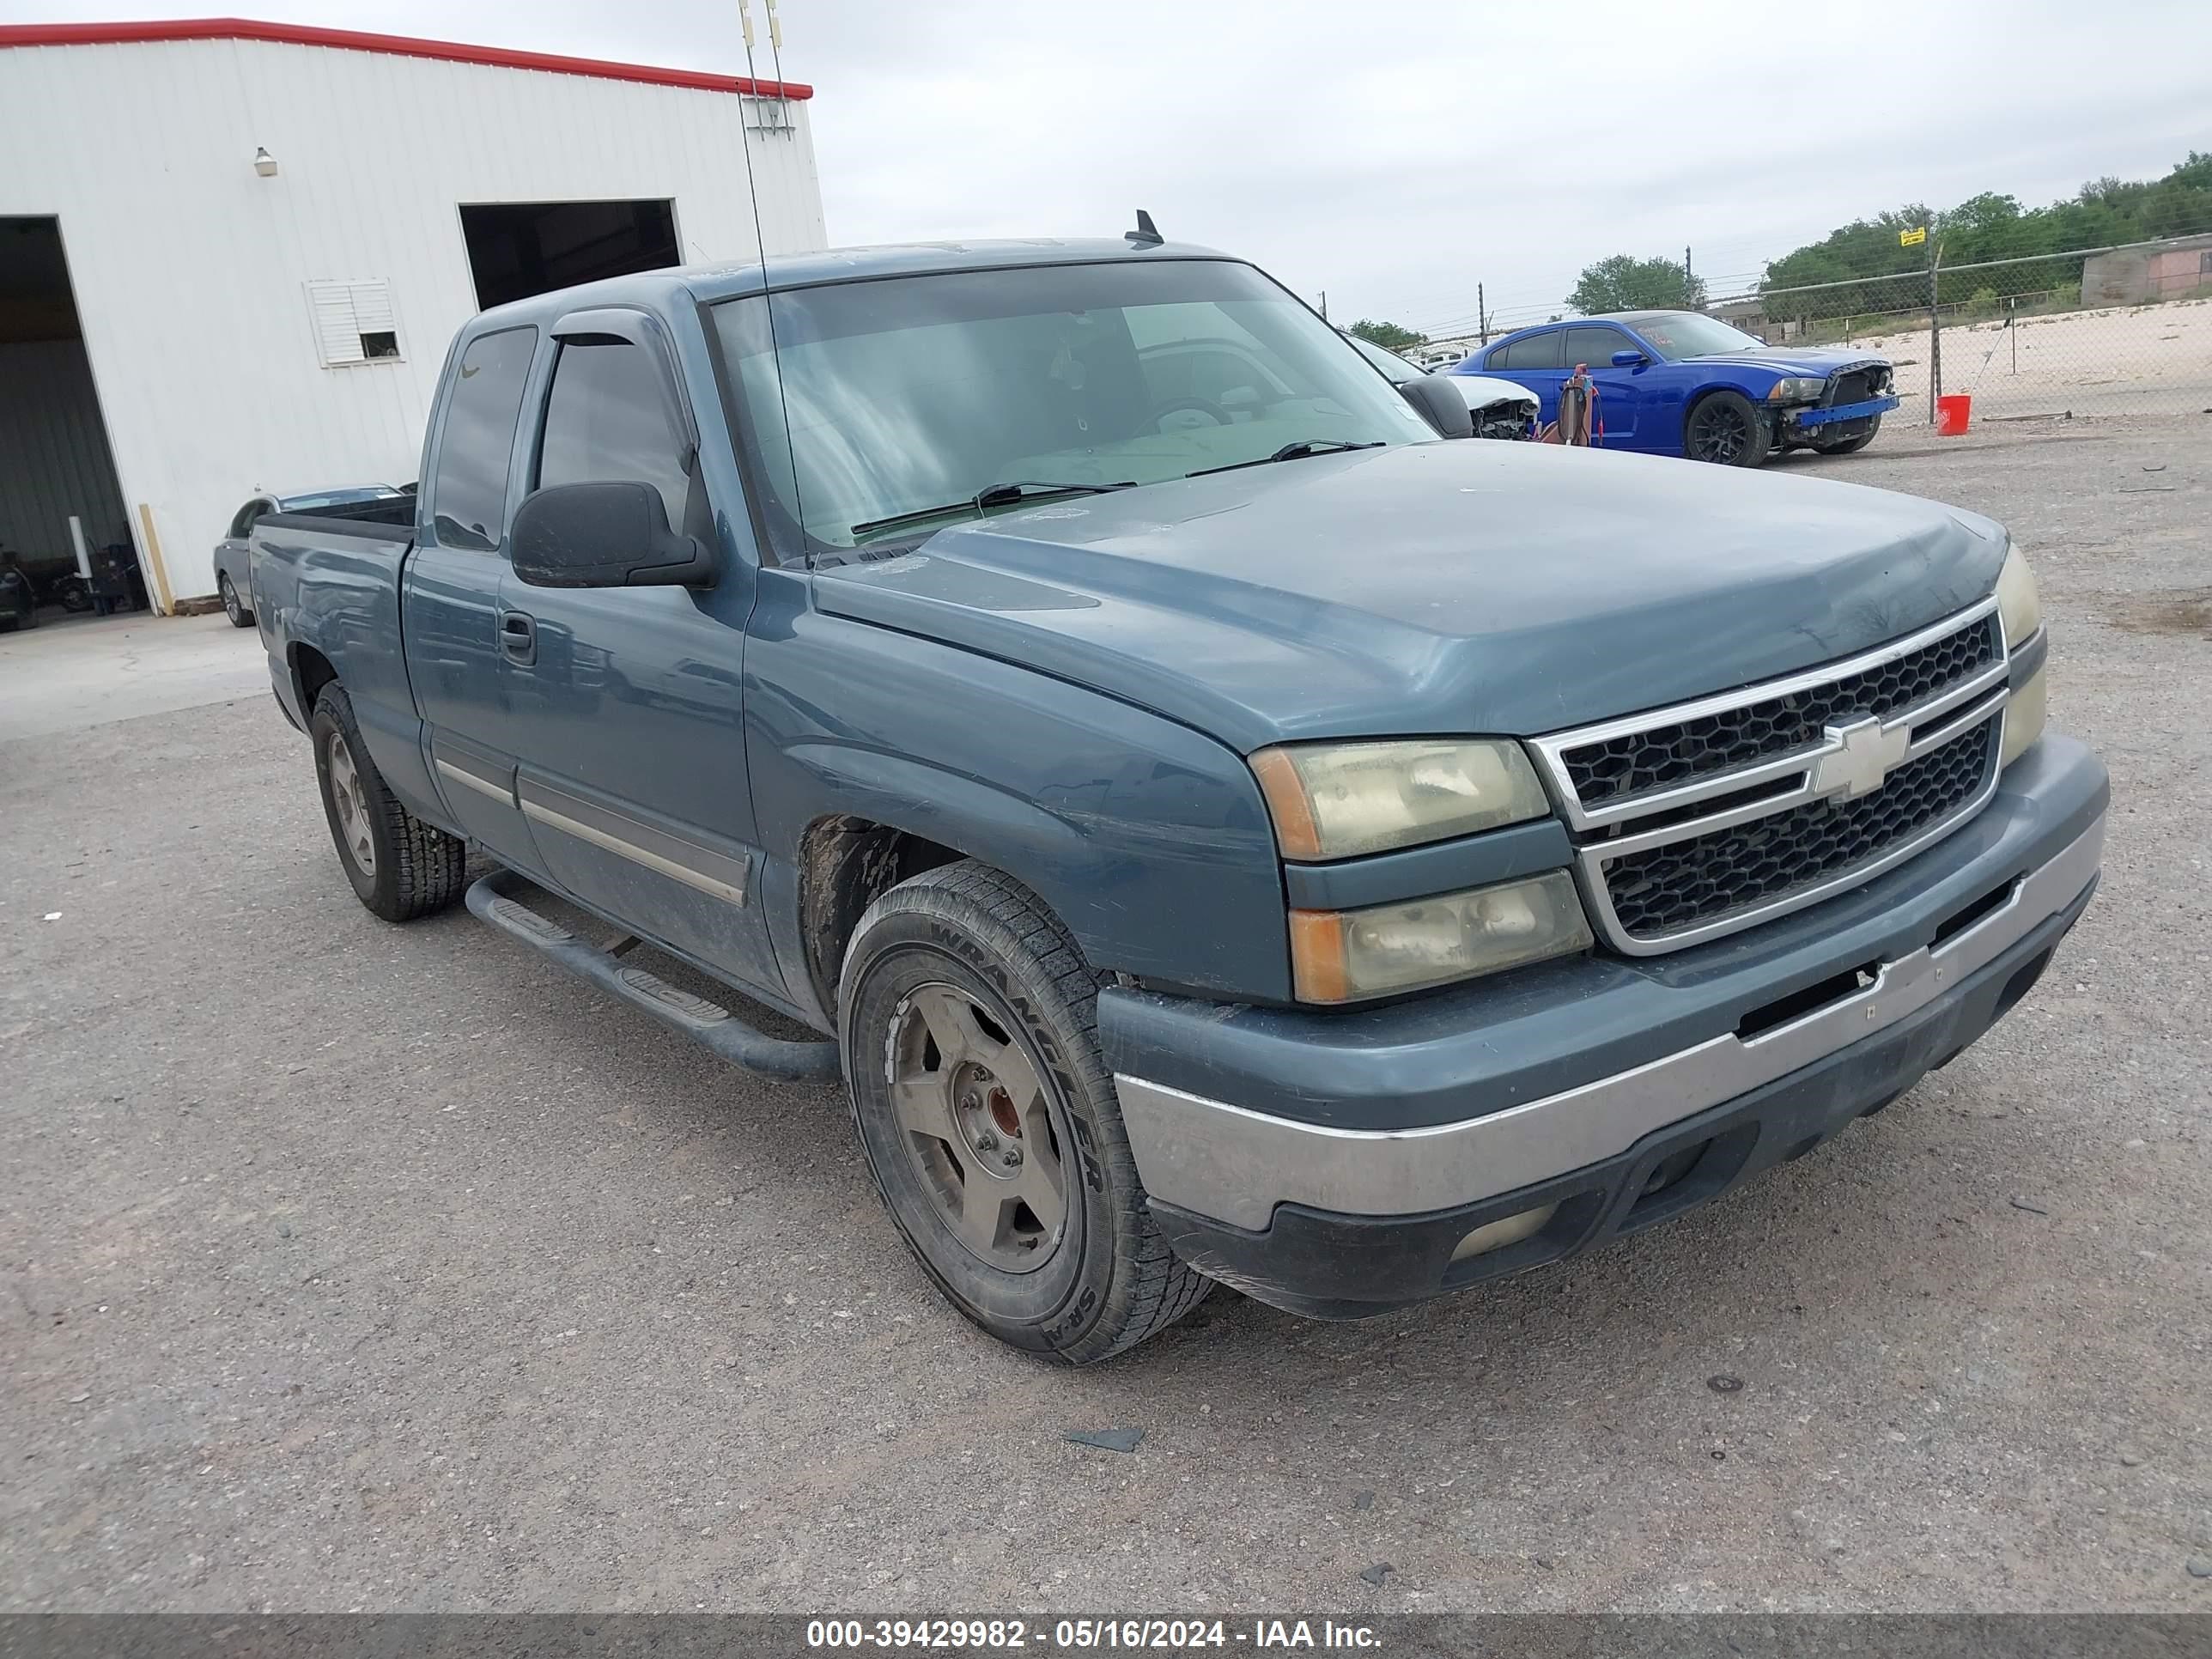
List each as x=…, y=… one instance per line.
x=398, y=45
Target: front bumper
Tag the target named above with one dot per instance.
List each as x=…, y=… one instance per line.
x=1334, y=1163
x=1810, y=420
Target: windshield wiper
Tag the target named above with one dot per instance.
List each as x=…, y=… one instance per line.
x=1297, y=452
x=996, y=495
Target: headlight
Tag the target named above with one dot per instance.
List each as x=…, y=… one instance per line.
x=1345, y=956
x=1797, y=391
x=2024, y=714
x=1338, y=800
x=2019, y=607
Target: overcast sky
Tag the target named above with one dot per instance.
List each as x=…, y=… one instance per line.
x=1395, y=152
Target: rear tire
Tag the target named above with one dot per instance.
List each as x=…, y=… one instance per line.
x=400, y=867
x=1728, y=429
x=969, y=1024
x=239, y=615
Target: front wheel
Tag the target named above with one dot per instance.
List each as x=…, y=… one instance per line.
x=239, y=615
x=1727, y=428
x=400, y=867
x=989, y=1120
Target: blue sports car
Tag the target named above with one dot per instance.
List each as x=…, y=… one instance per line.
x=1681, y=383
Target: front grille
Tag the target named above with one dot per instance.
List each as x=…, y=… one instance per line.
x=1706, y=817
x=1855, y=387
x=1663, y=756
x=1687, y=884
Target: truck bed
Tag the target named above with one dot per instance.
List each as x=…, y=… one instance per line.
x=326, y=591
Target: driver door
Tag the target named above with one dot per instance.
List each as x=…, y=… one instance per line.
x=624, y=704
x=1619, y=391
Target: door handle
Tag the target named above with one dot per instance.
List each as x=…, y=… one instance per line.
x=517, y=636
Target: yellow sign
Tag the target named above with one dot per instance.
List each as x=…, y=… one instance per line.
x=1913, y=237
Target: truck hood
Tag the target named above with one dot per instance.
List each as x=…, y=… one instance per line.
x=1481, y=390
x=1511, y=589
x=1795, y=359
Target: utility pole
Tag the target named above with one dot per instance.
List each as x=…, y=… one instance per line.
x=1689, y=286
x=1481, y=315
x=1935, y=331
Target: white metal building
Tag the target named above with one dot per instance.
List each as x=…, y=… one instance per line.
x=232, y=254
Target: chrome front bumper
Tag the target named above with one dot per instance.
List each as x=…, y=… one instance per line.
x=1215, y=1159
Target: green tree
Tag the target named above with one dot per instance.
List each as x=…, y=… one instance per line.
x=1860, y=268
x=1389, y=336
x=1625, y=283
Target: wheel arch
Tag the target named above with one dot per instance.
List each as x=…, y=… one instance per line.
x=310, y=671
x=845, y=862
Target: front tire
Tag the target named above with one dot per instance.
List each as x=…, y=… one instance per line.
x=968, y=1019
x=1728, y=429
x=400, y=867
x=239, y=615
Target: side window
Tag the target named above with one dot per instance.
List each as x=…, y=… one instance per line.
x=1594, y=346
x=1537, y=351
x=608, y=421
x=242, y=525
x=468, y=491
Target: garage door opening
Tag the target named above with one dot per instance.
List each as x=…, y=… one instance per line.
x=55, y=464
x=517, y=249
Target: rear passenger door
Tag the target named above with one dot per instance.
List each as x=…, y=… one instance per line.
x=450, y=604
x=1533, y=362
x=624, y=716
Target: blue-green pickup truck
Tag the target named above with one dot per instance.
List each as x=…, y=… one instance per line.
x=1220, y=832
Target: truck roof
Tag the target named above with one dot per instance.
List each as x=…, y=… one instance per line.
x=726, y=279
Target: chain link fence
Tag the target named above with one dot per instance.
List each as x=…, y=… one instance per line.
x=2092, y=333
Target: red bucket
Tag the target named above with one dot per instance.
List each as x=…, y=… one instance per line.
x=1953, y=413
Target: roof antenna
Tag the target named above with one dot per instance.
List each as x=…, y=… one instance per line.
x=752, y=190
x=1144, y=235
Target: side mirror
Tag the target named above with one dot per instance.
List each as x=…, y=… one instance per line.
x=1629, y=359
x=605, y=535
x=1440, y=404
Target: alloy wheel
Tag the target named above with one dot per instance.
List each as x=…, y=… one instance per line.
x=980, y=1123
x=349, y=796
x=1721, y=433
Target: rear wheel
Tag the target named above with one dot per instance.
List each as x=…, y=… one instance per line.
x=988, y=1117
x=400, y=867
x=239, y=615
x=1727, y=428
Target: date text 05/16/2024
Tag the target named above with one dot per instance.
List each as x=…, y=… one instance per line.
x=1075, y=1635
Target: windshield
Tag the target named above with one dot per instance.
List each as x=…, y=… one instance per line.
x=914, y=393
x=1676, y=335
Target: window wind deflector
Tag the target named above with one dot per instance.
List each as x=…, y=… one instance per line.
x=608, y=325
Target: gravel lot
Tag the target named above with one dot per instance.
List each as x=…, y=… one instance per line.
x=348, y=1265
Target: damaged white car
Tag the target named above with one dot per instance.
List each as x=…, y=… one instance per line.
x=1499, y=408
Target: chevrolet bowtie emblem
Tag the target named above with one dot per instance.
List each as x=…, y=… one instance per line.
x=1864, y=755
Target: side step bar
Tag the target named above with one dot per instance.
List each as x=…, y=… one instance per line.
x=492, y=898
